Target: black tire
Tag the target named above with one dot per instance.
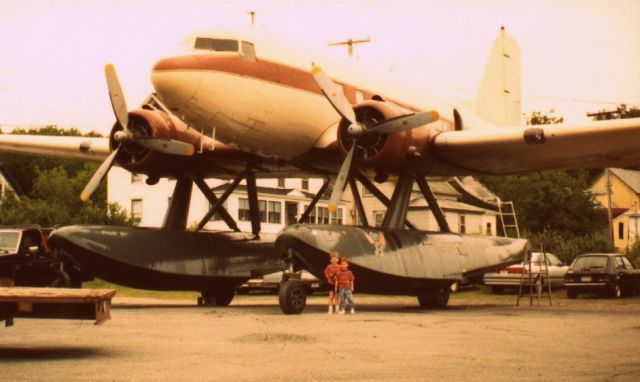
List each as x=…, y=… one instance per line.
x=614, y=290
x=495, y=289
x=572, y=293
x=292, y=297
x=435, y=299
x=224, y=297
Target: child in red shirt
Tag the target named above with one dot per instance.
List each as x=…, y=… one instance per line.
x=330, y=274
x=345, y=281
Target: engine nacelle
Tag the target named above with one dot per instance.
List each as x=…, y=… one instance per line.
x=152, y=124
x=379, y=150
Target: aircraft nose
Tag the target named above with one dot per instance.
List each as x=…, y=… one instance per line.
x=177, y=80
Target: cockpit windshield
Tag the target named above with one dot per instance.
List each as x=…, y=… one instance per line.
x=216, y=45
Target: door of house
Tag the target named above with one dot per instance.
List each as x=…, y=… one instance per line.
x=292, y=212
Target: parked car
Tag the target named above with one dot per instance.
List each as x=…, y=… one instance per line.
x=271, y=283
x=510, y=276
x=609, y=273
x=27, y=260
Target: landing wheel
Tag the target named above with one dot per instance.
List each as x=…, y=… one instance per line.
x=292, y=297
x=218, y=297
x=436, y=298
x=224, y=297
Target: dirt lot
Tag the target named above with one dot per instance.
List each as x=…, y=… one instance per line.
x=480, y=337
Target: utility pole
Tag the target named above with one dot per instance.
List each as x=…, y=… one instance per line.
x=609, y=213
x=350, y=43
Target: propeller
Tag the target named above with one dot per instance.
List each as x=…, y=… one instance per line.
x=126, y=136
x=341, y=104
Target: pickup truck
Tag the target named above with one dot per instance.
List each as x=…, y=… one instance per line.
x=27, y=260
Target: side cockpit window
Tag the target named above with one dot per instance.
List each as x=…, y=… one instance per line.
x=216, y=45
x=248, y=51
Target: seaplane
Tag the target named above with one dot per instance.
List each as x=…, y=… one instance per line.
x=238, y=109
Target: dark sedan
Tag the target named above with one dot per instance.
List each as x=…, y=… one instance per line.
x=609, y=273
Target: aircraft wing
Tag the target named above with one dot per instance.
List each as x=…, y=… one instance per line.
x=612, y=143
x=66, y=147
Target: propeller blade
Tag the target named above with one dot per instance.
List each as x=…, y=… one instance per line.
x=167, y=146
x=116, y=96
x=403, y=122
x=341, y=180
x=334, y=94
x=97, y=177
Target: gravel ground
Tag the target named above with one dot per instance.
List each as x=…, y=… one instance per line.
x=479, y=337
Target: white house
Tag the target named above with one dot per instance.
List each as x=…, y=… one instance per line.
x=283, y=201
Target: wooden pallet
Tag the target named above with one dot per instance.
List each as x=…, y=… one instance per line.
x=94, y=304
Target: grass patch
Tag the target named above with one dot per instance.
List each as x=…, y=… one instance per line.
x=123, y=291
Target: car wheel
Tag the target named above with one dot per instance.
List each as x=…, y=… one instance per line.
x=292, y=297
x=572, y=293
x=436, y=298
x=496, y=289
x=615, y=291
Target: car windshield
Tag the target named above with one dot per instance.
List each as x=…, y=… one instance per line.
x=215, y=44
x=9, y=241
x=590, y=262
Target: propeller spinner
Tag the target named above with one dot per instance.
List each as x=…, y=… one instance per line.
x=341, y=104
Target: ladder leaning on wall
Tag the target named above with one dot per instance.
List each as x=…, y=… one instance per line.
x=508, y=218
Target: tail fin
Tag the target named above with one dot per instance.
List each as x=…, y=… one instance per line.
x=498, y=98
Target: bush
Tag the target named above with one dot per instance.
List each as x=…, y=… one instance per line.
x=566, y=247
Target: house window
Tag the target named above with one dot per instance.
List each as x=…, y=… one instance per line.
x=274, y=212
x=323, y=215
x=136, y=210
x=489, y=231
x=311, y=219
x=280, y=182
x=136, y=178
x=305, y=184
x=336, y=217
x=243, y=210
x=621, y=230
x=263, y=210
x=378, y=218
x=366, y=192
x=463, y=224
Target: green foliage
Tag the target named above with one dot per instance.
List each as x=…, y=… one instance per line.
x=553, y=207
x=622, y=111
x=567, y=247
x=24, y=168
x=538, y=118
x=633, y=253
x=56, y=201
x=53, y=188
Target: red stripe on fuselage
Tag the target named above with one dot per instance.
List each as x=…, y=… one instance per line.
x=260, y=69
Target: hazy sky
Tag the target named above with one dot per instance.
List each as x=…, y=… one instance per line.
x=577, y=56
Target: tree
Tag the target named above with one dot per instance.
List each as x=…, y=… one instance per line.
x=553, y=207
x=53, y=188
x=25, y=168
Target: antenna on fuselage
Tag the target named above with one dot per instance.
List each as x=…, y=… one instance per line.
x=349, y=43
x=253, y=17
